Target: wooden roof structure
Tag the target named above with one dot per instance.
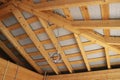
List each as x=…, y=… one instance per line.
x=89, y=35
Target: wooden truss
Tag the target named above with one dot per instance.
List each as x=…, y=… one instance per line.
x=43, y=13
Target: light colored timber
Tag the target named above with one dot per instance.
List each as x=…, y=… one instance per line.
x=112, y=74
x=90, y=24
x=77, y=37
x=9, y=53
x=10, y=37
x=85, y=13
x=105, y=16
x=10, y=71
x=69, y=55
x=56, y=44
x=60, y=21
x=83, y=67
x=66, y=3
x=89, y=60
x=34, y=38
x=98, y=24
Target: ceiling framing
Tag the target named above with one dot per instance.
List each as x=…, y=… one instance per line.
x=45, y=13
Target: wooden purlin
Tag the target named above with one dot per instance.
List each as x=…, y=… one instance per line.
x=90, y=60
x=76, y=54
x=34, y=38
x=10, y=37
x=56, y=44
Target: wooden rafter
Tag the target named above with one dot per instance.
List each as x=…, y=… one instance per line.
x=56, y=44
x=77, y=37
x=34, y=38
x=59, y=21
x=10, y=54
x=10, y=37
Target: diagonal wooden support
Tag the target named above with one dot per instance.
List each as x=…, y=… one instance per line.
x=60, y=21
x=84, y=55
x=34, y=38
x=79, y=43
x=10, y=37
x=56, y=44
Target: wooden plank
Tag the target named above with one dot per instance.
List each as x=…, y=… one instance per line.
x=112, y=74
x=113, y=40
x=73, y=55
x=10, y=37
x=56, y=44
x=63, y=4
x=79, y=43
x=97, y=24
x=59, y=21
x=85, y=12
x=107, y=57
x=89, y=60
x=14, y=71
x=34, y=38
x=9, y=53
x=77, y=37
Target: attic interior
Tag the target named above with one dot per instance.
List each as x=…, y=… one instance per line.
x=59, y=39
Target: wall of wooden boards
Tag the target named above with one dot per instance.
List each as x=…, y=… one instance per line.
x=10, y=71
x=113, y=74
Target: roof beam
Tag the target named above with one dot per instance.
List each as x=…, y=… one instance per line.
x=60, y=21
x=10, y=37
x=34, y=38
x=56, y=44
x=77, y=37
x=67, y=3
x=97, y=24
x=9, y=53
